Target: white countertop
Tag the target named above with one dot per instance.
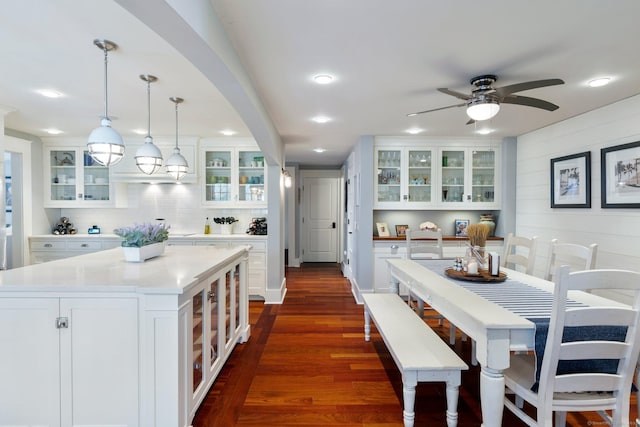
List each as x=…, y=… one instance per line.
x=107, y=271
x=192, y=236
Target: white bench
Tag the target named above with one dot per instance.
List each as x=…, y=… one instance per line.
x=420, y=354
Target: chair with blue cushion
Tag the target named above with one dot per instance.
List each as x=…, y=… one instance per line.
x=569, y=380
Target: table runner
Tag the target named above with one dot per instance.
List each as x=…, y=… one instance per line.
x=535, y=305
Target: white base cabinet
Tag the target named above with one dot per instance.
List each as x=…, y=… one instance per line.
x=139, y=346
x=75, y=358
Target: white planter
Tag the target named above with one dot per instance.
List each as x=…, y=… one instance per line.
x=226, y=228
x=143, y=253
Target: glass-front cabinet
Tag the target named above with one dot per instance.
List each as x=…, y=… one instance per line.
x=435, y=174
x=74, y=179
x=468, y=177
x=233, y=177
x=404, y=177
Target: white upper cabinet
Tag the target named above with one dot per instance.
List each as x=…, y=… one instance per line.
x=413, y=173
x=73, y=179
x=233, y=173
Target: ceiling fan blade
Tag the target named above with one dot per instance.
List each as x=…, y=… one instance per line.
x=519, y=87
x=435, y=109
x=454, y=93
x=530, y=102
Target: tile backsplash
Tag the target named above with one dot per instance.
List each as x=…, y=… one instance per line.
x=177, y=205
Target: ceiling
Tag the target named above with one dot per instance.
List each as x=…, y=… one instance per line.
x=388, y=59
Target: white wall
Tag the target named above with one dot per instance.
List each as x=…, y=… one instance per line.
x=616, y=231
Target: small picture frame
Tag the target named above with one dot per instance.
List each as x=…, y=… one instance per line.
x=461, y=227
x=401, y=230
x=383, y=229
x=620, y=176
x=571, y=181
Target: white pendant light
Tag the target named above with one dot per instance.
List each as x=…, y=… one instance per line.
x=148, y=157
x=177, y=165
x=105, y=144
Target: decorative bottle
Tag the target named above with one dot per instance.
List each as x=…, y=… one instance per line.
x=489, y=219
x=207, y=226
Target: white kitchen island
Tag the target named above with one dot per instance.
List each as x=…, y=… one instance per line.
x=95, y=340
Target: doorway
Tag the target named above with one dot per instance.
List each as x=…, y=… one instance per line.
x=320, y=223
x=17, y=158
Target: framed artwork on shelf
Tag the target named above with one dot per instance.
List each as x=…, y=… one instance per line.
x=620, y=176
x=461, y=227
x=571, y=181
x=383, y=229
x=401, y=230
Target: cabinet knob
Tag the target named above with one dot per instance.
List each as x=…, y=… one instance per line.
x=48, y=245
x=84, y=245
x=211, y=296
x=394, y=247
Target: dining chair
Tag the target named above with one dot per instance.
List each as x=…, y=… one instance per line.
x=569, y=381
x=421, y=245
x=577, y=256
x=520, y=251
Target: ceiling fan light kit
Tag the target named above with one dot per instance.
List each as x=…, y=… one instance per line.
x=482, y=109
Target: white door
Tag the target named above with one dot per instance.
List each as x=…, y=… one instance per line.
x=320, y=221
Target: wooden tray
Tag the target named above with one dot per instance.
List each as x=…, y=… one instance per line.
x=482, y=276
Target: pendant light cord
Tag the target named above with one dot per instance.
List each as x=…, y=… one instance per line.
x=148, y=108
x=176, y=124
x=106, y=102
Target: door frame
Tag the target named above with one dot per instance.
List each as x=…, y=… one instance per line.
x=322, y=173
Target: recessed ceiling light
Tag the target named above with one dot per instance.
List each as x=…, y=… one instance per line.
x=319, y=150
x=227, y=132
x=484, y=131
x=321, y=119
x=140, y=131
x=53, y=131
x=414, y=131
x=323, y=79
x=49, y=93
x=599, y=82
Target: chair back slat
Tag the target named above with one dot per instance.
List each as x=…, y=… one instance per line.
x=520, y=251
x=578, y=257
x=424, y=244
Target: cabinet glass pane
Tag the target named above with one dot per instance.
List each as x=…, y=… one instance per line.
x=236, y=294
x=420, y=176
x=198, y=310
x=483, y=176
x=250, y=176
x=388, y=162
x=227, y=306
x=96, y=179
x=452, y=176
x=63, y=175
x=218, y=175
x=213, y=322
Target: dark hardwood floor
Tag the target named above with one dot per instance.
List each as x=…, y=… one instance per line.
x=307, y=364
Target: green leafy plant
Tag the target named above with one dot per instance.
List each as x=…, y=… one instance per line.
x=140, y=235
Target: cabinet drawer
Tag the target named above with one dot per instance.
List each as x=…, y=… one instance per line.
x=84, y=246
x=49, y=245
x=255, y=246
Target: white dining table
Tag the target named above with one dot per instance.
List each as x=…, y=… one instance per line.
x=496, y=330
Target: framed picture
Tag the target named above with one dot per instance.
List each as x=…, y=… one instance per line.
x=571, y=181
x=383, y=229
x=401, y=230
x=620, y=176
x=461, y=227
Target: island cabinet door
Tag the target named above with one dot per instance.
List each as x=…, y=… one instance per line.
x=99, y=361
x=29, y=362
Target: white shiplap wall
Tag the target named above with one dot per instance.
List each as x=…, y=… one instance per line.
x=616, y=231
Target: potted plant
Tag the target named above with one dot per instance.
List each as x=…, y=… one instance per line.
x=226, y=224
x=143, y=241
